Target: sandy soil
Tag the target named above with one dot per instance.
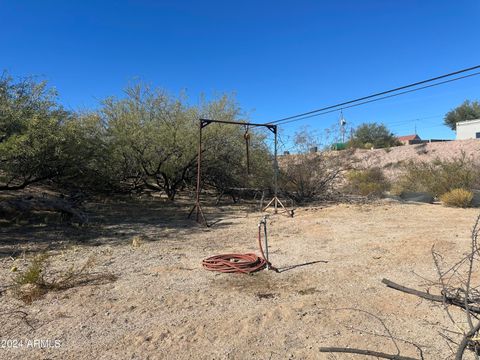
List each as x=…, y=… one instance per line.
x=390, y=159
x=163, y=305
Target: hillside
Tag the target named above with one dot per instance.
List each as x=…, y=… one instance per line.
x=390, y=159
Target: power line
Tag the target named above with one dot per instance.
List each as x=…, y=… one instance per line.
x=404, y=123
x=395, y=123
x=296, y=118
x=376, y=95
x=409, y=121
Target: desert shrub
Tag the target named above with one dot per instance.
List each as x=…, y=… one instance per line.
x=306, y=177
x=34, y=272
x=309, y=176
x=396, y=189
x=367, y=182
x=440, y=176
x=457, y=198
x=421, y=149
x=39, y=278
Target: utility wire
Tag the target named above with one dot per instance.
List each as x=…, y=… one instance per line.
x=415, y=119
x=396, y=125
x=293, y=119
x=302, y=115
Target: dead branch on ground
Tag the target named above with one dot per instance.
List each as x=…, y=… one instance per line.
x=388, y=334
x=456, y=290
x=365, y=352
x=26, y=205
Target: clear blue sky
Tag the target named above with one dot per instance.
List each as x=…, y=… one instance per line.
x=280, y=57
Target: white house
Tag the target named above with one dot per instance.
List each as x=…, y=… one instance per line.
x=468, y=130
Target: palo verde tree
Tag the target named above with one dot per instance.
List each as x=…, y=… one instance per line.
x=373, y=135
x=468, y=110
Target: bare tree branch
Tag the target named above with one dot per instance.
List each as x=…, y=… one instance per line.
x=365, y=352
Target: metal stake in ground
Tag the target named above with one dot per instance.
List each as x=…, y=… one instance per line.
x=263, y=223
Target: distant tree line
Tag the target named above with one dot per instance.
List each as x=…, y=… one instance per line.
x=145, y=140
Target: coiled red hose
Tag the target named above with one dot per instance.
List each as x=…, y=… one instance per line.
x=238, y=263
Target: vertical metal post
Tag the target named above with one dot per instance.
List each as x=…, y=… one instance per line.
x=275, y=175
x=197, y=208
x=266, y=241
x=246, y=136
x=199, y=172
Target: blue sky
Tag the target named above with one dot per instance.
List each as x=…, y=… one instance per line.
x=279, y=57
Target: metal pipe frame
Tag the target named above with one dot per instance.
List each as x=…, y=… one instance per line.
x=205, y=122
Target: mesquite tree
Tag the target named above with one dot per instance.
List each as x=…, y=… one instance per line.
x=154, y=136
x=146, y=139
x=35, y=143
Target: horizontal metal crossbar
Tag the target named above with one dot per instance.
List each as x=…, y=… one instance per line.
x=205, y=122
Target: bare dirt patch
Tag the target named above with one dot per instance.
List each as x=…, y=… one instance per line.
x=163, y=305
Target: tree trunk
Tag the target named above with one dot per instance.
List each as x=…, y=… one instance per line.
x=19, y=206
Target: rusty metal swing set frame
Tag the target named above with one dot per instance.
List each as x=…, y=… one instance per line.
x=275, y=201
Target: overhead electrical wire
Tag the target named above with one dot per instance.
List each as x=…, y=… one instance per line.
x=360, y=101
x=430, y=122
x=356, y=103
x=403, y=123
x=415, y=119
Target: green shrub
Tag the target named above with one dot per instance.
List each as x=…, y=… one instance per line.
x=440, y=176
x=369, y=182
x=34, y=272
x=375, y=135
x=457, y=198
x=39, y=278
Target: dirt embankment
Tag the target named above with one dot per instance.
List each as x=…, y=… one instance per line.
x=391, y=159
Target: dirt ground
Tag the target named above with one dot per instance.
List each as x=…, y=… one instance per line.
x=163, y=305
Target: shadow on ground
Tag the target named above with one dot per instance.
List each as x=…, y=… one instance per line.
x=113, y=223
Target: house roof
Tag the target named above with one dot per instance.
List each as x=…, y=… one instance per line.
x=408, y=137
